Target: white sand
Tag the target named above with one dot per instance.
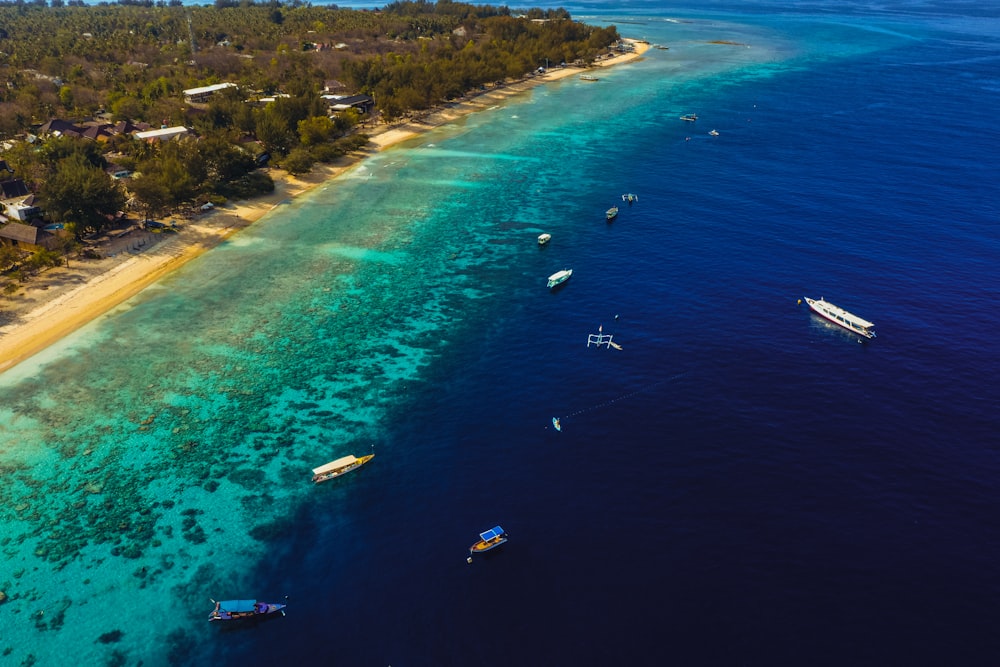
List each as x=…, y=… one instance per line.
x=62, y=300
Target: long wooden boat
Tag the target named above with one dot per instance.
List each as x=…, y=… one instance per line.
x=841, y=317
x=235, y=610
x=488, y=540
x=341, y=466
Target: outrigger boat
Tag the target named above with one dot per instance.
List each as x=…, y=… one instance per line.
x=630, y=198
x=233, y=610
x=559, y=277
x=341, y=466
x=611, y=213
x=491, y=539
x=841, y=317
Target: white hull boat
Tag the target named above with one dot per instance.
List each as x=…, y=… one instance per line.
x=841, y=317
x=559, y=277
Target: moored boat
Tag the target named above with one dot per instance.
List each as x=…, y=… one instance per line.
x=611, y=213
x=588, y=77
x=544, y=238
x=488, y=540
x=559, y=277
x=690, y=117
x=341, y=466
x=234, y=610
x=841, y=317
x=630, y=198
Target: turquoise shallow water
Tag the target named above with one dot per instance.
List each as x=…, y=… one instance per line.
x=742, y=473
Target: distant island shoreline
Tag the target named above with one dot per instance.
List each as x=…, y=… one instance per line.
x=62, y=300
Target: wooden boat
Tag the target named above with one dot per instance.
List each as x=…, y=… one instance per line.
x=690, y=117
x=341, y=466
x=559, y=277
x=488, y=540
x=611, y=213
x=588, y=77
x=556, y=424
x=234, y=610
x=841, y=317
x=544, y=238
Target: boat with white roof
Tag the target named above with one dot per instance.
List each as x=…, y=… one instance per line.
x=841, y=317
x=559, y=277
x=341, y=466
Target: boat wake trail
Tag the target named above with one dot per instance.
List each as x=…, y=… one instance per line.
x=608, y=403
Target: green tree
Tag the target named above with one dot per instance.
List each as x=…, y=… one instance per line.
x=152, y=196
x=316, y=130
x=77, y=191
x=298, y=161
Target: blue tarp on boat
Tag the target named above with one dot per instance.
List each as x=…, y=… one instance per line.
x=492, y=533
x=234, y=606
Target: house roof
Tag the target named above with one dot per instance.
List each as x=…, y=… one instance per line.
x=208, y=89
x=60, y=126
x=16, y=231
x=127, y=127
x=162, y=133
x=15, y=187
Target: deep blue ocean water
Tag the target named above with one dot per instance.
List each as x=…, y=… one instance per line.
x=742, y=484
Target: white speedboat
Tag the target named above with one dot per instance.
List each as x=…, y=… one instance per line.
x=559, y=277
x=544, y=238
x=714, y=133
x=841, y=317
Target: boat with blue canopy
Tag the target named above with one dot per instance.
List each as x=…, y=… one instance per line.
x=489, y=539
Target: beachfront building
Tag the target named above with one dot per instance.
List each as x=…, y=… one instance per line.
x=202, y=95
x=26, y=237
x=363, y=103
x=16, y=200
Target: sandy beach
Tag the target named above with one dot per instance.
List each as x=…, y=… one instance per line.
x=61, y=300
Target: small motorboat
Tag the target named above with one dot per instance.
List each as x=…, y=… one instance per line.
x=544, y=238
x=234, y=610
x=714, y=133
x=690, y=117
x=611, y=213
x=488, y=540
x=588, y=77
x=559, y=277
x=556, y=424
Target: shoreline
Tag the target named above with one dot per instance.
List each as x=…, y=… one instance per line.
x=64, y=299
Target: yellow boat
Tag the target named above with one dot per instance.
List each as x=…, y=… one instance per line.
x=341, y=466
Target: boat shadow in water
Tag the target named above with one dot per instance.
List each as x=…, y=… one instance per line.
x=245, y=624
x=820, y=325
x=558, y=288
